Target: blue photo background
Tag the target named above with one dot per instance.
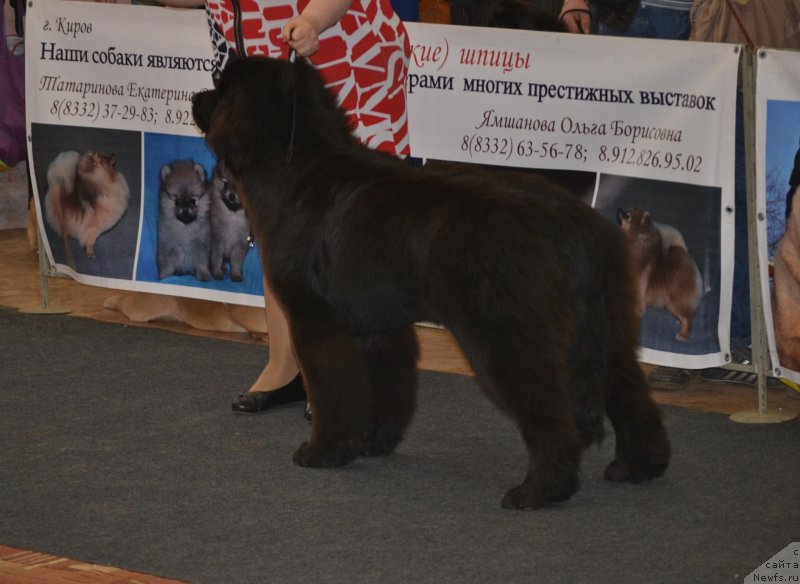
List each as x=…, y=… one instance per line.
x=783, y=143
x=160, y=149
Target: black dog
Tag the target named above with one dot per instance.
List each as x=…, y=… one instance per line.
x=358, y=246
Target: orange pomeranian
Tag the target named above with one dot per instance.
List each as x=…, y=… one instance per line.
x=86, y=196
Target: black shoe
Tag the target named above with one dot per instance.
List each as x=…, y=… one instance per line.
x=669, y=377
x=731, y=377
x=742, y=356
x=307, y=415
x=259, y=401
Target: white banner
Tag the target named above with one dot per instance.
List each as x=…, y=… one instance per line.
x=646, y=124
x=118, y=80
x=602, y=104
x=651, y=121
x=778, y=175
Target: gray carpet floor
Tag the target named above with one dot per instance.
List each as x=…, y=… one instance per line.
x=117, y=446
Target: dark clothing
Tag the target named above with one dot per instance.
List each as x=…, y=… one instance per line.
x=615, y=14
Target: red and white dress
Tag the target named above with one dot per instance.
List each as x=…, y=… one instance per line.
x=363, y=58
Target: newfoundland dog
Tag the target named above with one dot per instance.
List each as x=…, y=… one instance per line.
x=358, y=246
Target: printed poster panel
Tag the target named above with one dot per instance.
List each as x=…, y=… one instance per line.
x=109, y=110
x=655, y=132
x=778, y=179
x=650, y=122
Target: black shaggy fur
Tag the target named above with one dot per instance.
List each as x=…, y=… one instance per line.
x=358, y=246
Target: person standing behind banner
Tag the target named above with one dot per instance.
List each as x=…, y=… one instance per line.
x=658, y=19
x=361, y=49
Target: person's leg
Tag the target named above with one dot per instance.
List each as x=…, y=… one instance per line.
x=282, y=365
x=280, y=381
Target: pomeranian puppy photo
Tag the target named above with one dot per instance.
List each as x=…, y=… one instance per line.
x=184, y=232
x=229, y=227
x=86, y=196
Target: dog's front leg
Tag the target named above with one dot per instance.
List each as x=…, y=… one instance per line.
x=337, y=383
x=237, y=260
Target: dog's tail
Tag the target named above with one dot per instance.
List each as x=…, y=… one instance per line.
x=60, y=183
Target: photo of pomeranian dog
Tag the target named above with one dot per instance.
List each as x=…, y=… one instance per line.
x=667, y=276
x=230, y=229
x=184, y=231
x=86, y=196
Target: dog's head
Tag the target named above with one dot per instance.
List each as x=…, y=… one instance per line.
x=222, y=188
x=635, y=222
x=263, y=107
x=183, y=185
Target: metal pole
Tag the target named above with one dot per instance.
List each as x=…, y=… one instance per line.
x=758, y=331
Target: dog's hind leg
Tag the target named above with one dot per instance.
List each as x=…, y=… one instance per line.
x=526, y=379
x=89, y=238
x=338, y=387
x=217, y=263
x=642, y=447
x=392, y=362
x=587, y=371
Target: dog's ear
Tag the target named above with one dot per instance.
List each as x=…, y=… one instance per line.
x=166, y=170
x=251, y=113
x=203, y=105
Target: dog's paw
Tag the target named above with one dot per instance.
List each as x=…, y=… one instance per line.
x=312, y=456
x=381, y=442
x=616, y=472
x=523, y=497
x=531, y=495
x=621, y=472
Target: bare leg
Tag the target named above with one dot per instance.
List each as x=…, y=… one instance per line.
x=282, y=366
